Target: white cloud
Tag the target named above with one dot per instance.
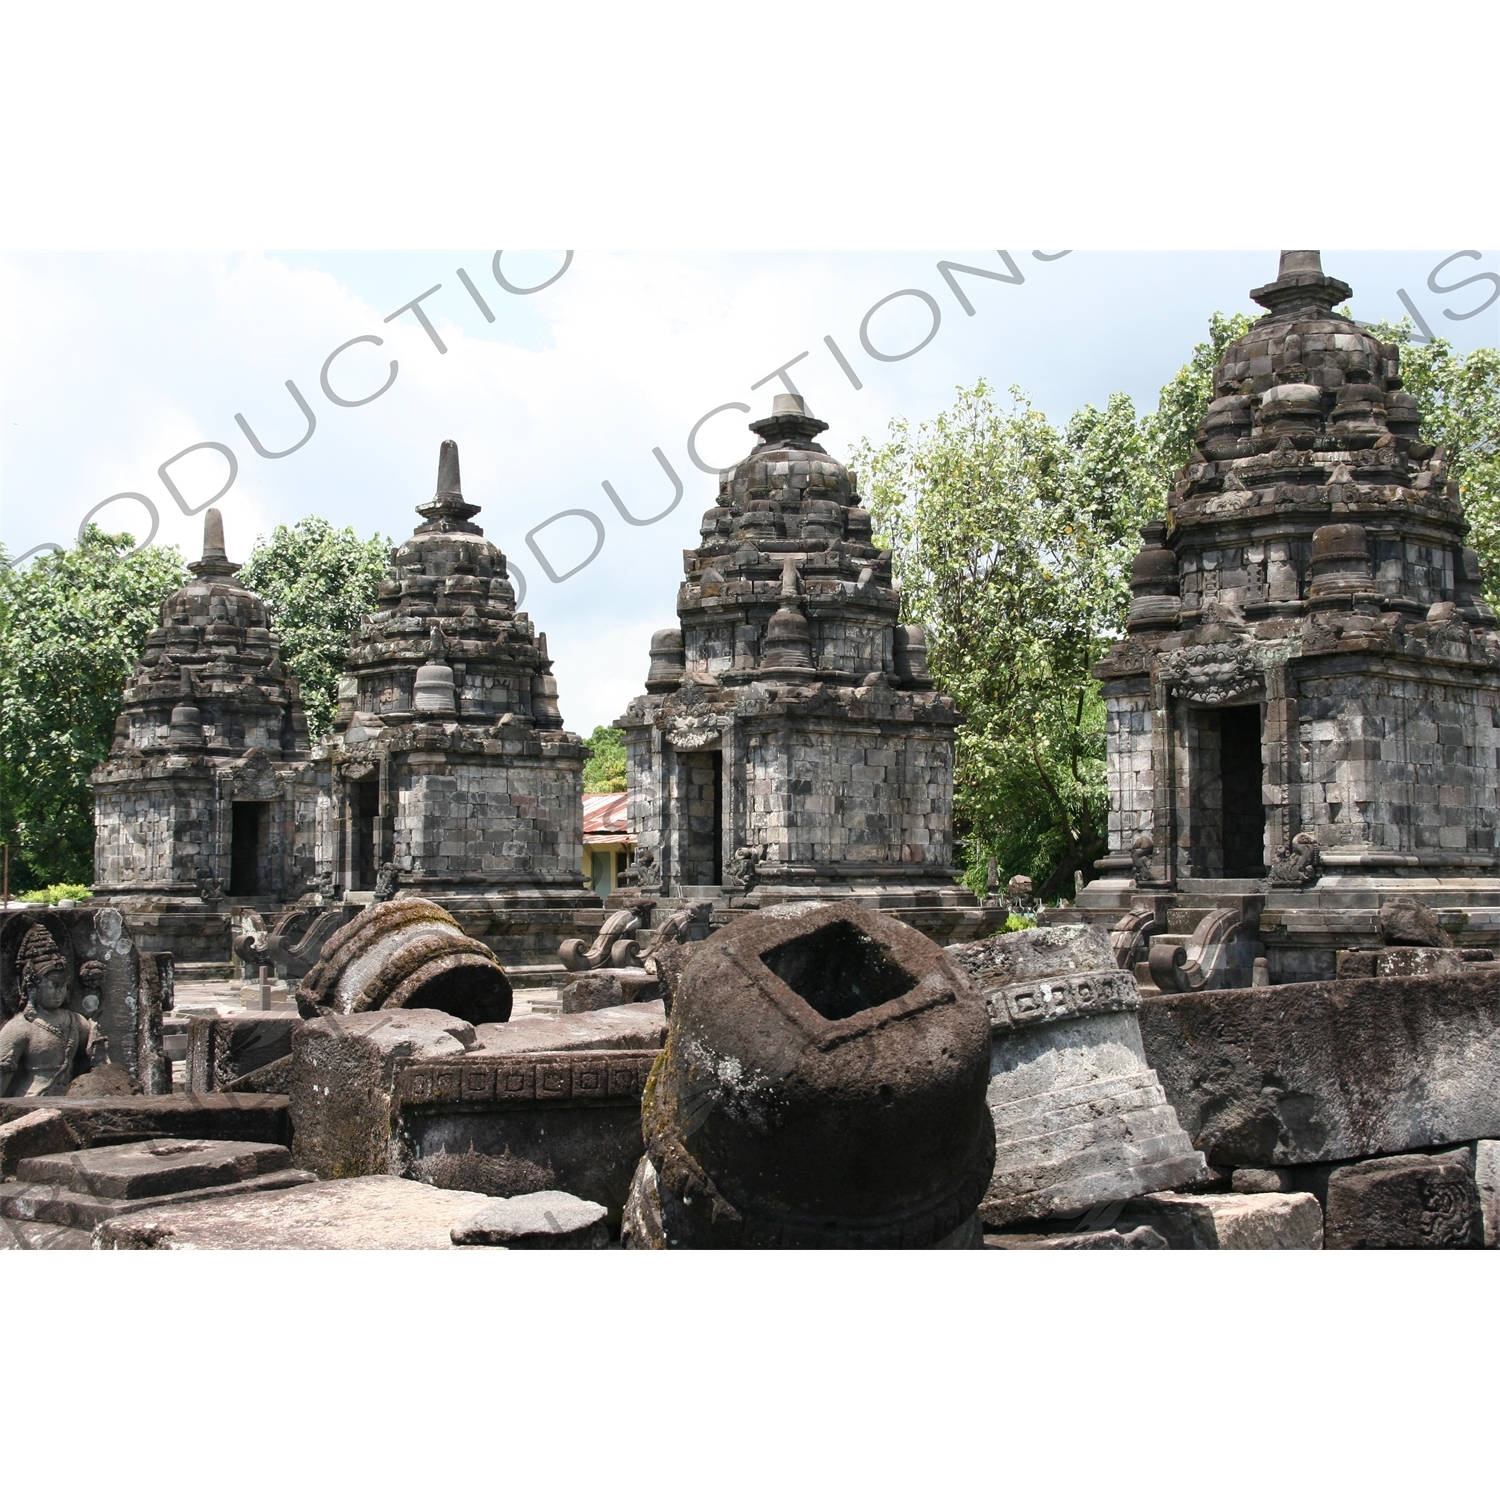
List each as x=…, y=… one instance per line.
x=112, y=364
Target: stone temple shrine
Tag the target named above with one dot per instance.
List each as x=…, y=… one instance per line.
x=198, y=799
x=790, y=739
x=448, y=758
x=1272, y=1022
x=1303, y=713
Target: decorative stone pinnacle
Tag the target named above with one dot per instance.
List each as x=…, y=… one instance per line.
x=790, y=420
x=215, y=561
x=1301, y=282
x=448, y=510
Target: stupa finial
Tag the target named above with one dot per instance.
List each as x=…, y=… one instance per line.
x=448, y=510
x=1301, y=282
x=215, y=561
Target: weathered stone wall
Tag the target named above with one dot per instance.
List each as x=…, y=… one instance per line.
x=462, y=819
x=1399, y=760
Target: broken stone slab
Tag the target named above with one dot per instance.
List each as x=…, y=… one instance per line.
x=606, y=988
x=223, y=1048
x=1261, y=1180
x=537, y=1221
x=1487, y=1181
x=1398, y=963
x=1229, y=1221
x=220, y=1117
x=1143, y=1237
x=47, y=1203
x=1330, y=1071
x=343, y=1092
x=357, y=1213
x=539, y=1104
x=1407, y=921
x=1079, y=1116
x=622, y=1028
x=39, y=1133
x=1413, y=1202
x=148, y=1169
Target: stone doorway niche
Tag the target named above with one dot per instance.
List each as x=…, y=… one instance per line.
x=703, y=806
x=364, y=806
x=247, y=847
x=1228, y=811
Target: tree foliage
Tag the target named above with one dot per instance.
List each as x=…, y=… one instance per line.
x=1012, y=544
x=71, y=626
x=317, y=580
x=605, y=772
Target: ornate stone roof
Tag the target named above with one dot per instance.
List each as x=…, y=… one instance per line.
x=1309, y=433
x=211, y=680
x=786, y=585
x=445, y=643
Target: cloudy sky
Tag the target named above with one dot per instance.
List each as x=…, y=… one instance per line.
x=113, y=363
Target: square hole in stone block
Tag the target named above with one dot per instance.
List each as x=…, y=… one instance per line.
x=839, y=971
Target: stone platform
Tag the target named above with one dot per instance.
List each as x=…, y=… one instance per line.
x=81, y=1189
x=361, y=1213
x=1302, y=931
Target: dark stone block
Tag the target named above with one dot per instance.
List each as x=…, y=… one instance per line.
x=224, y=1049
x=219, y=1117
x=1330, y=1071
x=1405, y=1203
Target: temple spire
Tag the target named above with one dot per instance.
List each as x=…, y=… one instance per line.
x=215, y=560
x=1301, y=282
x=448, y=510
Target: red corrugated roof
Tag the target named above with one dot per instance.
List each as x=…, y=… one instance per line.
x=604, y=813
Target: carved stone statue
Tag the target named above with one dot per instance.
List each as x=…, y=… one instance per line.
x=1140, y=858
x=46, y=1045
x=740, y=870
x=387, y=882
x=1298, y=863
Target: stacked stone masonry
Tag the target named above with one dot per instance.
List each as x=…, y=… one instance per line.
x=1308, y=656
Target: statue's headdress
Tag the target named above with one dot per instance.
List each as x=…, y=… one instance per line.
x=38, y=956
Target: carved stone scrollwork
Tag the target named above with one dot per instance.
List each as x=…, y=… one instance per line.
x=1211, y=674
x=254, y=779
x=690, y=719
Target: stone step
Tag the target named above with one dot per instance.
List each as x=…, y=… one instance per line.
x=46, y=1203
x=150, y=1169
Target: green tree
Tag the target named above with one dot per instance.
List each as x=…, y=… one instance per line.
x=1012, y=544
x=71, y=626
x=1458, y=396
x=1172, y=429
x=317, y=580
x=606, y=771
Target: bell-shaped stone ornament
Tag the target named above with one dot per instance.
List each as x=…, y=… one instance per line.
x=788, y=640
x=186, y=728
x=434, y=693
